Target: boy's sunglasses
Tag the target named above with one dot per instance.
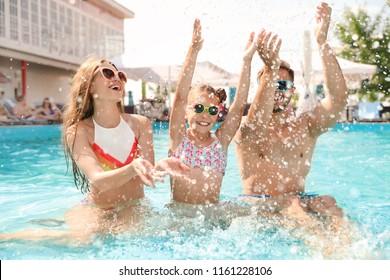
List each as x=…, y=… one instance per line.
x=284, y=85
x=200, y=108
x=109, y=74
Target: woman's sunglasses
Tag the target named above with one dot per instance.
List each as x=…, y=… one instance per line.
x=200, y=108
x=284, y=85
x=109, y=74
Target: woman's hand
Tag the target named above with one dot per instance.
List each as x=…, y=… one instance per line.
x=167, y=166
x=145, y=170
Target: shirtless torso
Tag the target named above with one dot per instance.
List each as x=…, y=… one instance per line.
x=279, y=162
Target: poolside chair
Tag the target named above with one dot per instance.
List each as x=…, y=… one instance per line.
x=10, y=118
x=14, y=120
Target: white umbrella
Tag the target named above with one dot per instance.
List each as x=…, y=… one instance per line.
x=312, y=75
x=354, y=72
x=307, y=99
x=205, y=72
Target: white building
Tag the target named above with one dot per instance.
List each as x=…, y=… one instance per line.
x=42, y=43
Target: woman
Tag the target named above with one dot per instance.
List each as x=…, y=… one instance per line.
x=48, y=111
x=111, y=154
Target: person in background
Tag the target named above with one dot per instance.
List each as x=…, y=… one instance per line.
x=21, y=110
x=3, y=111
x=48, y=111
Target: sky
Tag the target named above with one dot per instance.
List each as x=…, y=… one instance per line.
x=161, y=31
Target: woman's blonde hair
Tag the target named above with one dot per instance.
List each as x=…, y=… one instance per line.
x=80, y=107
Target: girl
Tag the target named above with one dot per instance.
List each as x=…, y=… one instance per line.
x=204, y=151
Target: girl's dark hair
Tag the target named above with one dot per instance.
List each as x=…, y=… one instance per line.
x=220, y=92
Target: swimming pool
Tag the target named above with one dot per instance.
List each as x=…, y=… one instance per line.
x=351, y=163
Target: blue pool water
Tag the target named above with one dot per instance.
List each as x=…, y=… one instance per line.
x=351, y=163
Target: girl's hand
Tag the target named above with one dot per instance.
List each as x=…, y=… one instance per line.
x=173, y=167
x=252, y=45
x=197, y=40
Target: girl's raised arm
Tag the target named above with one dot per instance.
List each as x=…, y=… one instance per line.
x=177, y=125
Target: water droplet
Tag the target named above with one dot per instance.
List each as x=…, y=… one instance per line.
x=355, y=192
x=293, y=250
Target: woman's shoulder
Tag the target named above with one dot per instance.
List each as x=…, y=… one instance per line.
x=135, y=119
x=82, y=127
x=81, y=133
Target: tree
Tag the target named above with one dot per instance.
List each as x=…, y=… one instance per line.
x=367, y=40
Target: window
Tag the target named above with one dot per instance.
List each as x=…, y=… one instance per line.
x=44, y=25
x=61, y=30
x=69, y=32
x=13, y=14
x=54, y=28
x=76, y=42
x=25, y=20
x=84, y=35
x=2, y=19
x=34, y=23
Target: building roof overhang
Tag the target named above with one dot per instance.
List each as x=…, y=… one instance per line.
x=115, y=8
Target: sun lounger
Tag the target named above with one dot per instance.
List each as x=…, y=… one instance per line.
x=10, y=119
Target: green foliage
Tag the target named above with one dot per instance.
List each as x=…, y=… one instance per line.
x=366, y=40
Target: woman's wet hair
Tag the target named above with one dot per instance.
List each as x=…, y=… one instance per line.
x=283, y=65
x=80, y=107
